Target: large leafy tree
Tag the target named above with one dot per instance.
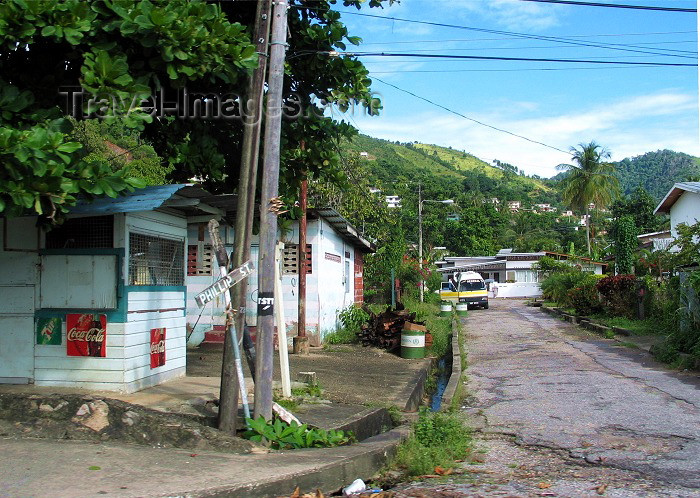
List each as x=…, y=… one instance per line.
x=590, y=180
x=125, y=53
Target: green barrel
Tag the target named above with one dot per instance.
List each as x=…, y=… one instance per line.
x=462, y=309
x=445, y=309
x=412, y=344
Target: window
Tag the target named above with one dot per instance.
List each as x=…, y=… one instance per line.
x=155, y=260
x=82, y=233
x=526, y=276
x=471, y=285
x=290, y=259
x=199, y=259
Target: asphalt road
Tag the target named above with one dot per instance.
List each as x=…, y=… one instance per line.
x=560, y=412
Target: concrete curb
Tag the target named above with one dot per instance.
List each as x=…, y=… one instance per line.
x=336, y=467
x=456, y=374
x=415, y=388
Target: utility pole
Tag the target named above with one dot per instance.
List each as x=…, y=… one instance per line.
x=420, y=240
x=228, y=394
x=270, y=206
x=301, y=342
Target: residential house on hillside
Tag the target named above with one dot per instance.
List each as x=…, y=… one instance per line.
x=512, y=272
x=514, y=206
x=393, y=201
x=682, y=203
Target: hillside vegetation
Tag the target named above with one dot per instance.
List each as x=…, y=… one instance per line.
x=657, y=171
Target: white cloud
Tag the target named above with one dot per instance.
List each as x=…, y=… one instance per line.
x=512, y=14
x=627, y=127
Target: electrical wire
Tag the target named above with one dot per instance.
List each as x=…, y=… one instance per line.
x=499, y=32
x=472, y=119
x=494, y=58
x=614, y=5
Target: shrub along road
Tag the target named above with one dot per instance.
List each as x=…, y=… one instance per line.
x=560, y=412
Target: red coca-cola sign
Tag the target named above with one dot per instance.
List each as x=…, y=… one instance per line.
x=86, y=334
x=157, y=347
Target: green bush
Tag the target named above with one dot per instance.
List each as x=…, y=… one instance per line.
x=438, y=440
x=353, y=317
x=557, y=286
x=619, y=295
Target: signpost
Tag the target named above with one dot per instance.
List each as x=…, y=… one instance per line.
x=224, y=284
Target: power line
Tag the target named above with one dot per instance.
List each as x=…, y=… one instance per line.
x=494, y=58
x=613, y=5
x=566, y=41
x=504, y=70
x=472, y=119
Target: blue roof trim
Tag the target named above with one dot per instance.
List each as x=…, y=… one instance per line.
x=143, y=199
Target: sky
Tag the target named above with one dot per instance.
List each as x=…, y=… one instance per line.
x=628, y=109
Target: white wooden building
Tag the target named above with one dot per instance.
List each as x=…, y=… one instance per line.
x=98, y=302
x=334, y=280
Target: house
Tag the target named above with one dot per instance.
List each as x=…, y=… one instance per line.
x=512, y=272
x=99, y=301
x=514, y=206
x=334, y=278
x=393, y=201
x=545, y=208
x=655, y=241
x=682, y=203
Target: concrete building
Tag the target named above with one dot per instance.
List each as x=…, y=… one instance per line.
x=682, y=203
x=334, y=278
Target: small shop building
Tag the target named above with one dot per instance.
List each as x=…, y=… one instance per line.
x=99, y=302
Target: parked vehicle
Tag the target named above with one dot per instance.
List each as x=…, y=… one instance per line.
x=472, y=290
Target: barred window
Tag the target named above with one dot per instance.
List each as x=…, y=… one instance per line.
x=199, y=259
x=155, y=260
x=290, y=259
x=82, y=233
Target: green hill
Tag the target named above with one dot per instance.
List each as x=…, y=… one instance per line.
x=391, y=162
x=657, y=171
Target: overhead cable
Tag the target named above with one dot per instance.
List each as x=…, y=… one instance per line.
x=614, y=5
x=472, y=119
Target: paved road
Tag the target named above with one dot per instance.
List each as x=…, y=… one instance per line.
x=564, y=413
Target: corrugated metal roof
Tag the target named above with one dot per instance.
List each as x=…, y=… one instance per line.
x=672, y=196
x=144, y=199
x=345, y=229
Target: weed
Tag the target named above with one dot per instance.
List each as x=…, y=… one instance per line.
x=438, y=439
x=279, y=435
x=288, y=404
x=609, y=334
x=630, y=345
x=341, y=336
x=314, y=391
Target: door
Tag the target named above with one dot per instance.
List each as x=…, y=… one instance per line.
x=18, y=278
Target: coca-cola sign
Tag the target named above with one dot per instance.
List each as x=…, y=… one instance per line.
x=157, y=347
x=86, y=334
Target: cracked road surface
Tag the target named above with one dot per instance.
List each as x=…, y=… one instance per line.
x=560, y=412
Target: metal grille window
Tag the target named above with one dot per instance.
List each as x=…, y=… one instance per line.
x=155, y=260
x=82, y=233
x=199, y=259
x=290, y=259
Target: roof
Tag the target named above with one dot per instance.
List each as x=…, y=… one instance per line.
x=672, y=196
x=186, y=198
x=345, y=229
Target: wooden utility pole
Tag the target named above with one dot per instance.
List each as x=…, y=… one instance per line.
x=252, y=120
x=270, y=206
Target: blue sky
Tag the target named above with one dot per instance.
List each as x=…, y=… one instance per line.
x=629, y=110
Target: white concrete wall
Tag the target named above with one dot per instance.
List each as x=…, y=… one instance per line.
x=516, y=289
x=685, y=210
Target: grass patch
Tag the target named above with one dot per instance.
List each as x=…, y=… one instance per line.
x=637, y=327
x=314, y=391
x=288, y=404
x=341, y=336
x=438, y=439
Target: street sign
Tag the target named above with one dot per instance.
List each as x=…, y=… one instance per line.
x=224, y=284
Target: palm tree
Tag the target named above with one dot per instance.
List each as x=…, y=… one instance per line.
x=590, y=180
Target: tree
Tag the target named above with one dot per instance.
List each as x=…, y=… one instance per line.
x=589, y=180
x=640, y=206
x=625, y=244
x=134, y=59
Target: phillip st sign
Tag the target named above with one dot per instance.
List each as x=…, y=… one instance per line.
x=224, y=284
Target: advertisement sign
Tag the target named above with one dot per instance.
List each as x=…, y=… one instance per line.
x=157, y=347
x=86, y=334
x=48, y=330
